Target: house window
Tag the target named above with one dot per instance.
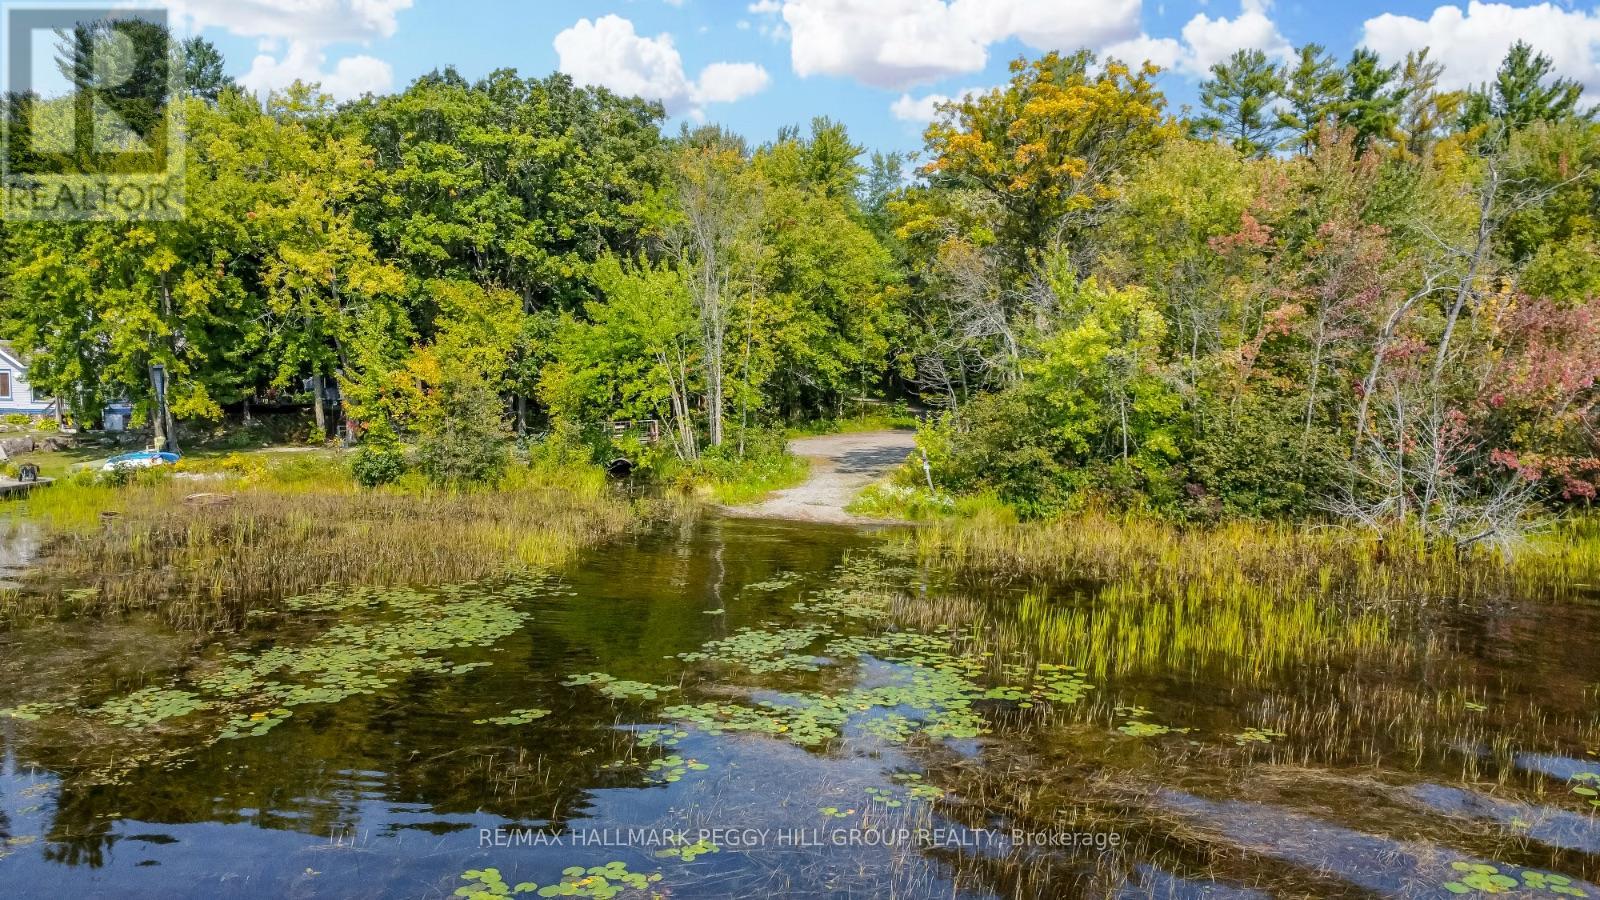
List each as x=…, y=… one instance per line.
x=5, y=384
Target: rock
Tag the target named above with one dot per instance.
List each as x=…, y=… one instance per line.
x=53, y=444
x=13, y=446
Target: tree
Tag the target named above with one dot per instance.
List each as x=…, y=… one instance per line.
x=1240, y=95
x=1523, y=92
x=1425, y=113
x=634, y=354
x=1313, y=89
x=1047, y=149
x=204, y=75
x=1372, y=101
x=719, y=208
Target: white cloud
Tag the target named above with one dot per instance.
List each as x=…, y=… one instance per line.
x=1210, y=41
x=300, y=30
x=1164, y=52
x=313, y=21
x=1471, y=44
x=923, y=110
x=728, y=82
x=351, y=77
x=607, y=52
x=900, y=43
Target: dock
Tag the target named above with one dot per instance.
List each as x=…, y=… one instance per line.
x=11, y=488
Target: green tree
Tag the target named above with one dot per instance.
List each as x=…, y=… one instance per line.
x=1524, y=91
x=1372, y=100
x=1314, y=86
x=1238, y=97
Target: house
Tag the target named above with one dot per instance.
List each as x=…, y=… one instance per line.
x=16, y=395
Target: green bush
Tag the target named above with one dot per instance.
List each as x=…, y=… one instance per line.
x=470, y=442
x=378, y=463
x=1259, y=461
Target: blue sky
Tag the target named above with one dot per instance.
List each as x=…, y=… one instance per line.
x=878, y=65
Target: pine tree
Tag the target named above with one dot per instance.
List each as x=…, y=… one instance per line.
x=1313, y=88
x=1239, y=96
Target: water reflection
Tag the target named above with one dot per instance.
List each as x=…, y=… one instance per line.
x=391, y=793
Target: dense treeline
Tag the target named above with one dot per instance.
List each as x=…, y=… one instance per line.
x=1337, y=289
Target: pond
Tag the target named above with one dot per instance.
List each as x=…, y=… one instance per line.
x=724, y=708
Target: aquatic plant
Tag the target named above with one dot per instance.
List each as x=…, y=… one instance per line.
x=30, y=712
x=150, y=706
x=761, y=651
x=1488, y=879
x=690, y=852
x=206, y=567
x=487, y=884
x=618, y=689
x=776, y=583
x=1257, y=736
x=1135, y=724
x=672, y=768
x=378, y=637
x=599, y=882
x=515, y=717
x=917, y=788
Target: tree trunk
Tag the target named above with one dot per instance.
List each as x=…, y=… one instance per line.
x=319, y=405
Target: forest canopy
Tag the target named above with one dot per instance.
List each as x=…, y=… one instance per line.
x=1335, y=289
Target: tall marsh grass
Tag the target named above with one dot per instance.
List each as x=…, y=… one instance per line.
x=1289, y=560
x=205, y=552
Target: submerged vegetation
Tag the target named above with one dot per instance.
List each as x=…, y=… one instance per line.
x=206, y=552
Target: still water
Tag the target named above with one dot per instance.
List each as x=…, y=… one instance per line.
x=725, y=708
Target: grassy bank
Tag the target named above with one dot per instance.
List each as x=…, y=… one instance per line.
x=1288, y=559
x=204, y=548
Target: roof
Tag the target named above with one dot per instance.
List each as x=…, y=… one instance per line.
x=9, y=354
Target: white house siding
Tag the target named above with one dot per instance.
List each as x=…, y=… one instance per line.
x=21, y=398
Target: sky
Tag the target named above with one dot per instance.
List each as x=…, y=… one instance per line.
x=877, y=65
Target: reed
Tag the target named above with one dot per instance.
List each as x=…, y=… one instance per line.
x=204, y=554
x=1284, y=559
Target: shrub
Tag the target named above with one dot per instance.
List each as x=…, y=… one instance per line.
x=379, y=461
x=21, y=420
x=470, y=442
x=1258, y=461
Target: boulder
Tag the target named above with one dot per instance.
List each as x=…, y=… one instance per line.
x=16, y=445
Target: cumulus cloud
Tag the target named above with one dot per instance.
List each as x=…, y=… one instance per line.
x=1210, y=41
x=312, y=21
x=351, y=77
x=922, y=110
x=1164, y=52
x=728, y=82
x=607, y=52
x=306, y=27
x=1207, y=41
x=1471, y=44
x=897, y=44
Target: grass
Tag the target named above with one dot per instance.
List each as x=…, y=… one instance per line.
x=918, y=504
x=732, y=480
x=1285, y=558
x=204, y=548
x=891, y=418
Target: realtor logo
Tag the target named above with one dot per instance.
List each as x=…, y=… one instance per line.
x=92, y=126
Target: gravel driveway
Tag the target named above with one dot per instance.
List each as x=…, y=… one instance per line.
x=842, y=465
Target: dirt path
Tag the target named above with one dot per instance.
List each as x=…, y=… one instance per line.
x=842, y=465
